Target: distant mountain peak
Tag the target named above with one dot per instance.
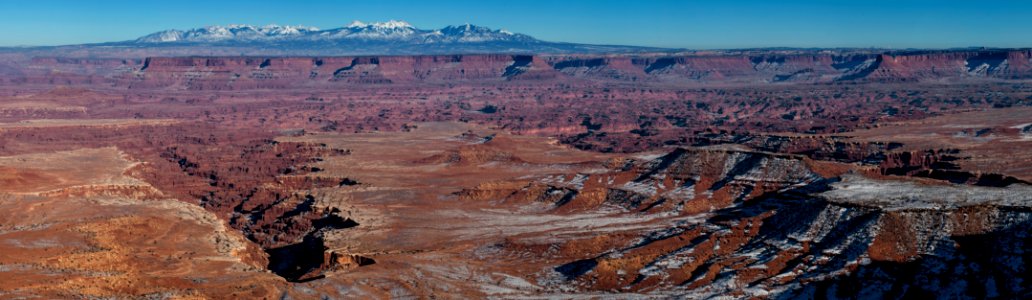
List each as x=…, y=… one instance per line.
x=215, y=33
x=473, y=33
x=393, y=36
x=392, y=24
x=390, y=30
x=393, y=30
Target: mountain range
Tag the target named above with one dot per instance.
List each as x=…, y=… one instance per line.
x=397, y=31
x=391, y=37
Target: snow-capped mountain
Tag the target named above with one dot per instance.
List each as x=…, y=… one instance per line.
x=473, y=33
x=226, y=33
x=390, y=30
x=357, y=38
x=378, y=31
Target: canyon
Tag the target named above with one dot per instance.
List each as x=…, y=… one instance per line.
x=745, y=174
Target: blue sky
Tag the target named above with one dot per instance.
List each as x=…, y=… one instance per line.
x=685, y=24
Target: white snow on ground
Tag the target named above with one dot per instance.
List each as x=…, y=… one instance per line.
x=491, y=222
x=508, y=285
x=648, y=157
x=644, y=188
x=681, y=193
x=577, y=182
x=903, y=195
x=673, y=260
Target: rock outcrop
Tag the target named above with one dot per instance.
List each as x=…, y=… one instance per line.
x=746, y=67
x=814, y=236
